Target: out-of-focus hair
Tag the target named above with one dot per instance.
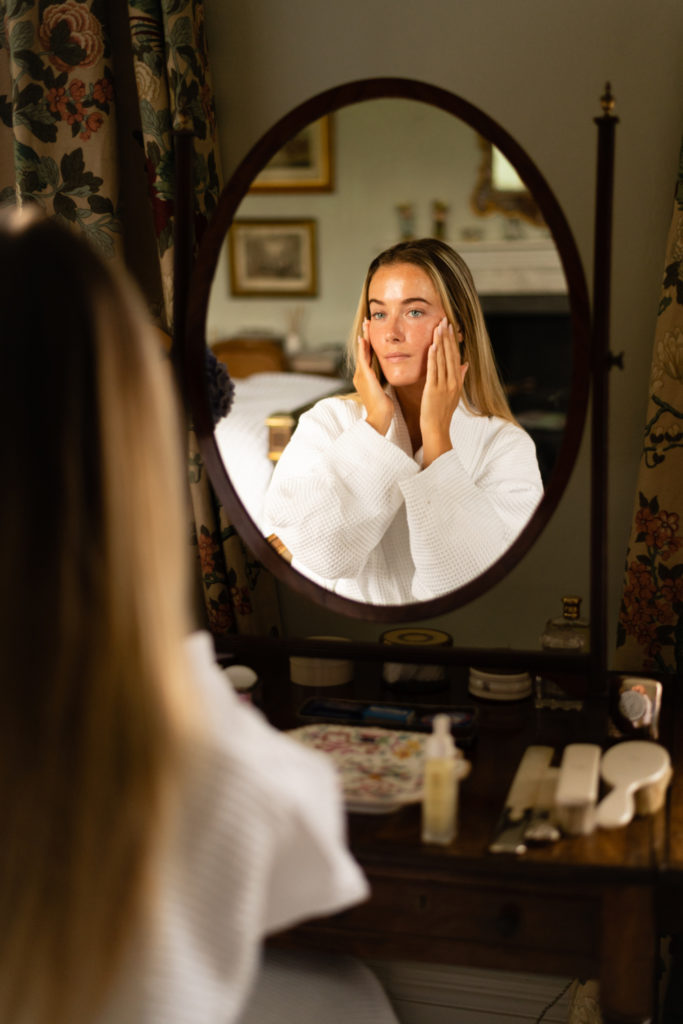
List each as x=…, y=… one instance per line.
x=483, y=392
x=94, y=609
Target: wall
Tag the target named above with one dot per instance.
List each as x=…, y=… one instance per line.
x=386, y=152
x=538, y=68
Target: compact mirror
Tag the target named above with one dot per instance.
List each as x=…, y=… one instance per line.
x=280, y=270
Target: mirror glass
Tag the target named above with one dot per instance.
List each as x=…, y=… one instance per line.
x=283, y=267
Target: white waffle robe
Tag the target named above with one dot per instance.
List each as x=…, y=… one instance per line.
x=363, y=518
x=259, y=846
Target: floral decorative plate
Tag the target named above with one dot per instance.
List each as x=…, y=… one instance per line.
x=380, y=769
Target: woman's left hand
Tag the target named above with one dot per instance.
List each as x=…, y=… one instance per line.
x=442, y=391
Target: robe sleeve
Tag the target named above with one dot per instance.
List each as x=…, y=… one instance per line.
x=258, y=844
x=282, y=809
x=460, y=522
x=336, y=490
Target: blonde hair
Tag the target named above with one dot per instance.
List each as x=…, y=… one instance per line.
x=483, y=392
x=92, y=541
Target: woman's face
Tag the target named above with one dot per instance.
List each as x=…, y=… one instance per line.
x=404, y=310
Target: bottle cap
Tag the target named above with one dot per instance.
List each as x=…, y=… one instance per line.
x=571, y=606
x=440, y=742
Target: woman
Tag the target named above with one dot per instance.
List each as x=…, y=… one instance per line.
x=154, y=827
x=420, y=480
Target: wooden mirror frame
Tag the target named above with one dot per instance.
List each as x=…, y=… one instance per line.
x=192, y=356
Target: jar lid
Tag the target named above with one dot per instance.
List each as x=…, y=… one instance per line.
x=410, y=637
x=499, y=675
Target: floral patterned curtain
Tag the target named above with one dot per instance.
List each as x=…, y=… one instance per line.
x=91, y=93
x=56, y=111
x=650, y=634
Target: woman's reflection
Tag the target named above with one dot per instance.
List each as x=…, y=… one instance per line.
x=421, y=479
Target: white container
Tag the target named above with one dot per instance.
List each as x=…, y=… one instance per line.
x=320, y=671
x=243, y=680
x=639, y=772
x=577, y=790
x=496, y=684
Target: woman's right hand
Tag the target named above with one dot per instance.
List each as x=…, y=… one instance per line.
x=378, y=405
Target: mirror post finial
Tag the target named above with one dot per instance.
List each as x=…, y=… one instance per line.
x=607, y=100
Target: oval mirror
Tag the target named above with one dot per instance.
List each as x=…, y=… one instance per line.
x=281, y=266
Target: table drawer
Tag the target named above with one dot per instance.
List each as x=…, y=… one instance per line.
x=482, y=914
x=480, y=925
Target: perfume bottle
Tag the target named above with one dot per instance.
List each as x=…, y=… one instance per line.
x=568, y=631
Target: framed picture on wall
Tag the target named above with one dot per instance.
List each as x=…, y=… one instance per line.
x=304, y=164
x=273, y=257
x=500, y=189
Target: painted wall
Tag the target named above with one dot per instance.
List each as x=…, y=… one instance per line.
x=386, y=153
x=538, y=67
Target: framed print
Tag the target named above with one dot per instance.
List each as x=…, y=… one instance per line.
x=303, y=164
x=500, y=189
x=273, y=257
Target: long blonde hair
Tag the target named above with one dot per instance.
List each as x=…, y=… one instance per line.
x=92, y=541
x=483, y=392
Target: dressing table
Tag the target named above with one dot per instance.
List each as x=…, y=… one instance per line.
x=590, y=906
x=585, y=906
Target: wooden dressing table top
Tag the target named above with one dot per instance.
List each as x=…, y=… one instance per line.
x=589, y=906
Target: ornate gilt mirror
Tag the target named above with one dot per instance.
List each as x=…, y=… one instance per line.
x=500, y=189
x=381, y=109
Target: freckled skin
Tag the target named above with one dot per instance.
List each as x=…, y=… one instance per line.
x=405, y=310
x=419, y=355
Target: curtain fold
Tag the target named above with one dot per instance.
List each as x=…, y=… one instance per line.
x=239, y=594
x=174, y=93
x=91, y=93
x=650, y=631
x=58, y=113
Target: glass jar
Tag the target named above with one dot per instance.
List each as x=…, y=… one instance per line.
x=568, y=631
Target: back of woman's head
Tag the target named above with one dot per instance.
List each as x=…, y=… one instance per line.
x=92, y=550
x=455, y=286
x=92, y=445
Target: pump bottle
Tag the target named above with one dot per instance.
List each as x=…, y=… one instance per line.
x=443, y=769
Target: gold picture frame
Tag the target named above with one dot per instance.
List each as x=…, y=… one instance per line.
x=273, y=258
x=304, y=164
x=505, y=192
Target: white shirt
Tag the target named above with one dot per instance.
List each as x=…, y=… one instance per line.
x=260, y=846
x=363, y=518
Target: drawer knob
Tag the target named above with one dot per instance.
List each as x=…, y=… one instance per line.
x=508, y=920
